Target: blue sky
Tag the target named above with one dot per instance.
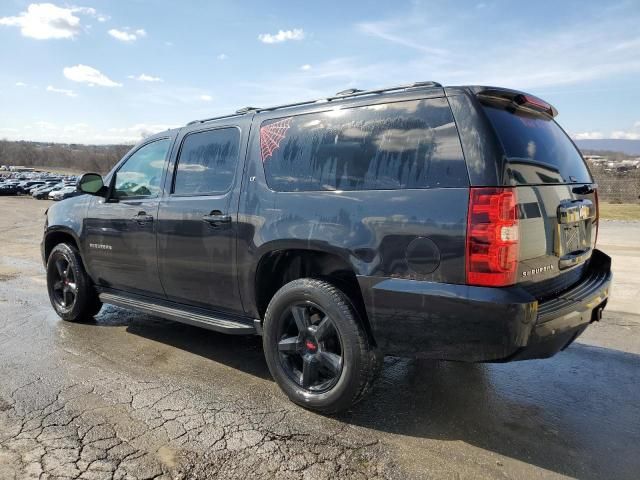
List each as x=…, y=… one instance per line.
x=111, y=71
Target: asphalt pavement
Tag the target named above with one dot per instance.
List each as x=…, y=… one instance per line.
x=132, y=396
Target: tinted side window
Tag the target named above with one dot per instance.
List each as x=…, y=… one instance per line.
x=141, y=174
x=207, y=162
x=411, y=144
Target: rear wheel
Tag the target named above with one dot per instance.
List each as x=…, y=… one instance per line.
x=316, y=347
x=70, y=291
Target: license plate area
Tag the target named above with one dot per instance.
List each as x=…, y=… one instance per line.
x=573, y=234
x=573, y=237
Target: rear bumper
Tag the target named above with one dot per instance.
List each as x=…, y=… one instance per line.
x=478, y=324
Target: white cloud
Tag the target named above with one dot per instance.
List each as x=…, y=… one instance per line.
x=169, y=44
x=64, y=91
x=126, y=35
x=122, y=35
x=306, y=66
x=21, y=84
x=222, y=56
x=44, y=21
x=621, y=134
x=86, y=74
x=206, y=98
x=91, y=12
x=588, y=136
x=632, y=134
x=143, y=77
x=282, y=36
x=85, y=10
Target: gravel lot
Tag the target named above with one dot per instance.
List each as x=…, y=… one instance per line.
x=131, y=396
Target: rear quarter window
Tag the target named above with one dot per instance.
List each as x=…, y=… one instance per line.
x=537, y=150
x=412, y=144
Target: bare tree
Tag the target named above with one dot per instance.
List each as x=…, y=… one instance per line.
x=98, y=158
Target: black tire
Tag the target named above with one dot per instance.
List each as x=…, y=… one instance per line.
x=70, y=289
x=324, y=390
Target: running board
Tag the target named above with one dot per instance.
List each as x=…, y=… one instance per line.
x=205, y=320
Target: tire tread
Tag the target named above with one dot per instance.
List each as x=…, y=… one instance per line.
x=372, y=361
x=87, y=302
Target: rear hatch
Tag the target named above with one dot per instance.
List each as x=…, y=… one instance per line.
x=556, y=198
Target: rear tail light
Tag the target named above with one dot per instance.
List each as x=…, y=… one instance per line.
x=492, y=237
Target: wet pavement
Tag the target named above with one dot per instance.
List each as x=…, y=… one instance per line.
x=132, y=396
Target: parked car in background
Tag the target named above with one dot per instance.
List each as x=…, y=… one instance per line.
x=24, y=186
x=65, y=192
x=43, y=192
x=37, y=186
x=34, y=183
x=8, y=189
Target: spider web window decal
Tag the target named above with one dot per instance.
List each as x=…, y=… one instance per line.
x=271, y=135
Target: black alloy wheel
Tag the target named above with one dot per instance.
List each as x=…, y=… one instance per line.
x=309, y=348
x=316, y=346
x=65, y=288
x=71, y=291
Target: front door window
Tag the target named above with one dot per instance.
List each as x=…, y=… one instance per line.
x=141, y=174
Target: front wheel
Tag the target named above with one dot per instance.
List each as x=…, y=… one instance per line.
x=70, y=291
x=316, y=347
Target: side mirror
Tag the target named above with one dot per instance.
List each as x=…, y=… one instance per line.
x=92, y=184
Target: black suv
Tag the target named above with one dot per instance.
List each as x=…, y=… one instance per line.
x=455, y=223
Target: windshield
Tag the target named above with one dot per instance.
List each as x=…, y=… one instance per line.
x=537, y=149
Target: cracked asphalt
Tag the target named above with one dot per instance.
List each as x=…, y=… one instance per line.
x=130, y=396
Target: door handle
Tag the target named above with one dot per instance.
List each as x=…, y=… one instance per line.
x=217, y=218
x=584, y=190
x=141, y=218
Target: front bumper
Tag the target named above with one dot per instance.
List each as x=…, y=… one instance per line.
x=480, y=324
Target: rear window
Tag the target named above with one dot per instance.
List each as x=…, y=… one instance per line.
x=537, y=149
x=412, y=144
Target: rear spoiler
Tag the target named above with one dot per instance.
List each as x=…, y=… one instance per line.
x=515, y=99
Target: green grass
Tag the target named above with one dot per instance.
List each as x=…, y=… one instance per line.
x=623, y=211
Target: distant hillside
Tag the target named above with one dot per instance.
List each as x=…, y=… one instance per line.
x=84, y=158
x=630, y=147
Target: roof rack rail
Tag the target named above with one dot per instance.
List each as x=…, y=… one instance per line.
x=287, y=105
x=348, y=91
x=229, y=115
x=351, y=92
x=359, y=93
x=243, y=110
